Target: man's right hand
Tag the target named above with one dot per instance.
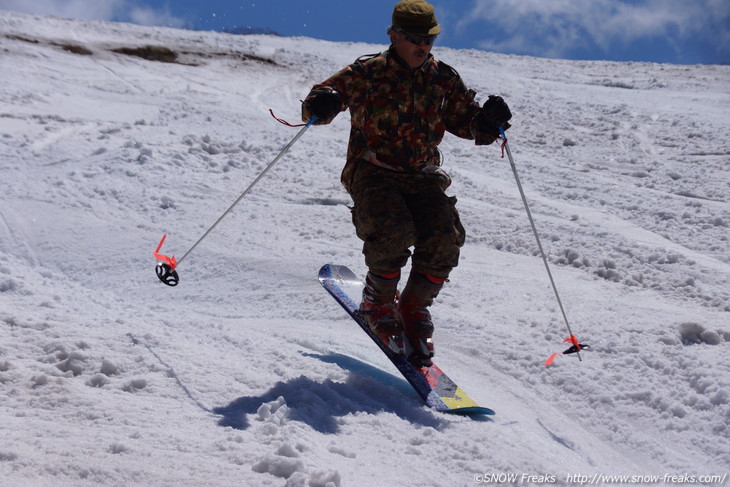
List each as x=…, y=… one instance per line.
x=324, y=104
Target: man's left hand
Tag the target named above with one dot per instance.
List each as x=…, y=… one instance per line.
x=494, y=114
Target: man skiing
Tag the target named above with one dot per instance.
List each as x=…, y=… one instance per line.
x=401, y=102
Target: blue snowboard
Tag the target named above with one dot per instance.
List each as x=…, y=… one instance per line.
x=431, y=383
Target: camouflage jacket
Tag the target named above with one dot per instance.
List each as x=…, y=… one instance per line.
x=399, y=115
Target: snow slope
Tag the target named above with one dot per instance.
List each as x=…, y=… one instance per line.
x=248, y=373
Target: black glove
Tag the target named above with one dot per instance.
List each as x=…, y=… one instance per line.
x=324, y=104
x=494, y=114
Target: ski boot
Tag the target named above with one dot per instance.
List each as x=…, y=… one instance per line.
x=417, y=296
x=379, y=310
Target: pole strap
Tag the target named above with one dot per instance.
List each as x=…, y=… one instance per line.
x=284, y=122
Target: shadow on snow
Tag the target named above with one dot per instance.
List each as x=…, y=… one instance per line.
x=319, y=405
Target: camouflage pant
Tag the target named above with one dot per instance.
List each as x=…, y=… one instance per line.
x=396, y=211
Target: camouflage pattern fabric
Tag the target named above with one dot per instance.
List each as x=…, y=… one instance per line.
x=399, y=115
x=394, y=211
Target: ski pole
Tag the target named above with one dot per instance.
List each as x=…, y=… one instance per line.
x=166, y=269
x=576, y=348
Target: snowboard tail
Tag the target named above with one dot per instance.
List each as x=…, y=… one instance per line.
x=431, y=383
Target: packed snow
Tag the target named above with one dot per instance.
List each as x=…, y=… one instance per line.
x=248, y=373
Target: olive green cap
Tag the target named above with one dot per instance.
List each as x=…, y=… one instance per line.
x=416, y=17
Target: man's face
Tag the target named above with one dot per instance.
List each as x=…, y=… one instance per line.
x=414, y=50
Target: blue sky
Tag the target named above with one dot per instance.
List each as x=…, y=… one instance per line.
x=674, y=31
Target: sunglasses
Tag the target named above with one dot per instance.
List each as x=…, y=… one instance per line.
x=417, y=40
